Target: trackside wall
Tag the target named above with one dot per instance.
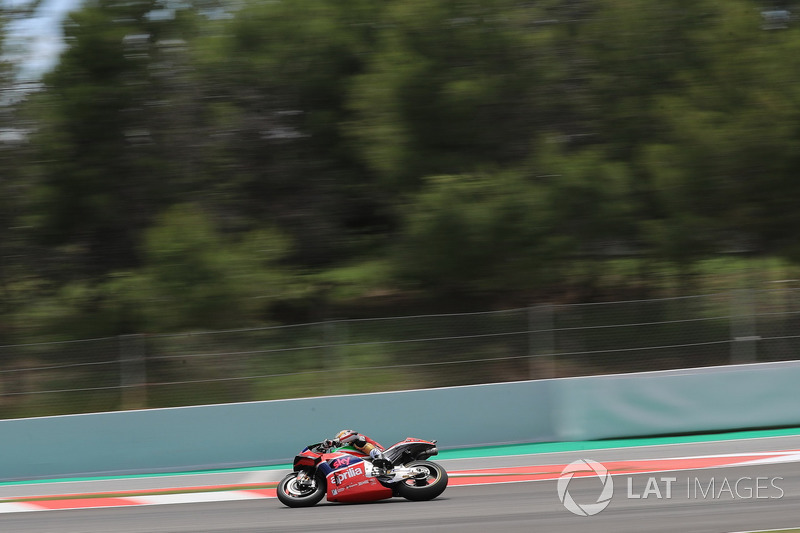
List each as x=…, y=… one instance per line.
x=271, y=432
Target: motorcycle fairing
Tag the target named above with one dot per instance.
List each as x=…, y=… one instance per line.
x=411, y=448
x=351, y=480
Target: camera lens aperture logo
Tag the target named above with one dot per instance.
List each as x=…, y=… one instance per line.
x=585, y=509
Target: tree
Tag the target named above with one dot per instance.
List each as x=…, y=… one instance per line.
x=278, y=80
x=622, y=57
x=14, y=147
x=728, y=167
x=194, y=277
x=106, y=162
x=477, y=232
x=454, y=86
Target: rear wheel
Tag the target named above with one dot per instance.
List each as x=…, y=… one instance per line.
x=294, y=493
x=429, y=483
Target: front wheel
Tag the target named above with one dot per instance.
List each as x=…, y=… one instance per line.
x=292, y=493
x=428, y=484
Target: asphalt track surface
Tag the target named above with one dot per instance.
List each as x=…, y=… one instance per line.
x=509, y=507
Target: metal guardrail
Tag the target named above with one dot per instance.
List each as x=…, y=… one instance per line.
x=411, y=352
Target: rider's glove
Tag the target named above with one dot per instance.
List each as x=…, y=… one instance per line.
x=328, y=443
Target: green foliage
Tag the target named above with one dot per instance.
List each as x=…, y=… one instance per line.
x=104, y=161
x=476, y=232
x=354, y=280
x=278, y=79
x=210, y=165
x=478, y=146
x=192, y=278
x=590, y=196
x=196, y=278
x=450, y=87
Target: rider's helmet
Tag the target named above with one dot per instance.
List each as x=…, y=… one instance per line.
x=346, y=436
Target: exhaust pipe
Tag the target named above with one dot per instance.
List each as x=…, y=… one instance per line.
x=428, y=453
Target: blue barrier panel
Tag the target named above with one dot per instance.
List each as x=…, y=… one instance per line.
x=258, y=433
x=679, y=401
x=261, y=433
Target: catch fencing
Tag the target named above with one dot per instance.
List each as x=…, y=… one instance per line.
x=398, y=353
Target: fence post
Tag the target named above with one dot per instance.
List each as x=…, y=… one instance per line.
x=744, y=337
x=335, y=376
x=541, y=341
x=133, y=372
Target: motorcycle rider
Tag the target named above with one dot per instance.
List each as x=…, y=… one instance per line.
x=365, y=445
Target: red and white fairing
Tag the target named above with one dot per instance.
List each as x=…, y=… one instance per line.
x=352, y=480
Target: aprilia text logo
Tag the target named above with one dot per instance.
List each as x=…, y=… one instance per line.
x=349, y=473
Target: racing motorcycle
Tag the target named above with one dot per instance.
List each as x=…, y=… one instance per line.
x=344, y=474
